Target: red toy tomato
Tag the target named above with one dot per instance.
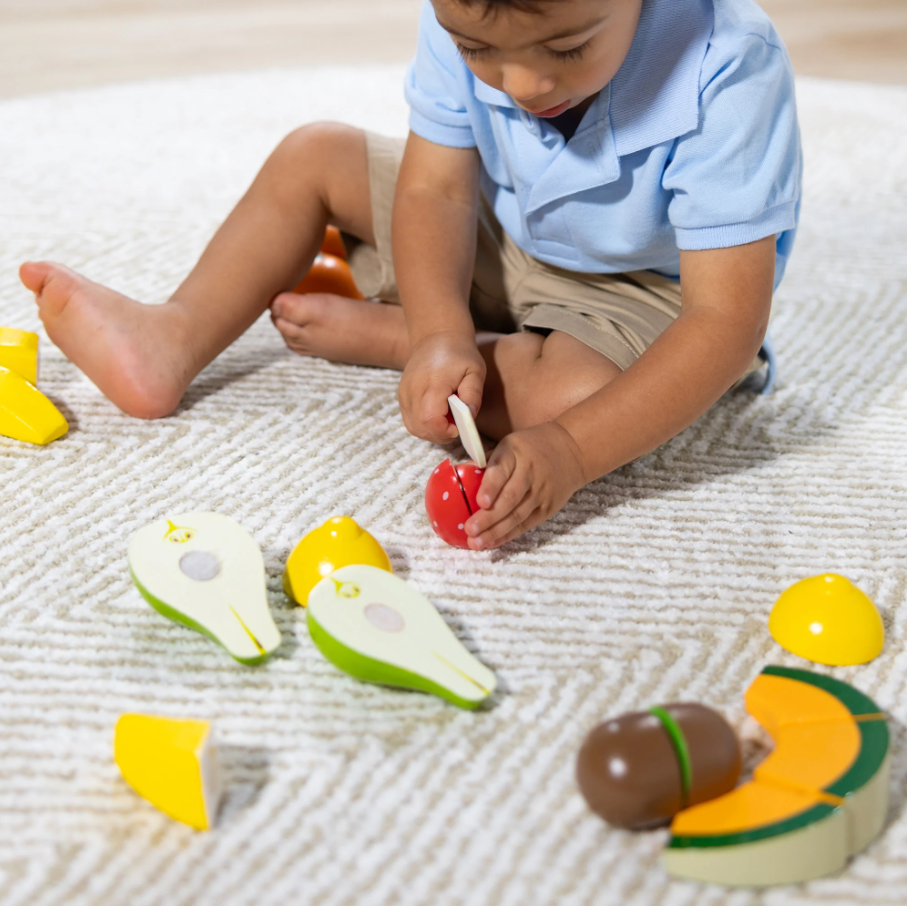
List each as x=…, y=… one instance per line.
x=450, y=499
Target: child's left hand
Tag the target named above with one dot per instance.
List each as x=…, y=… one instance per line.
x=530, y=476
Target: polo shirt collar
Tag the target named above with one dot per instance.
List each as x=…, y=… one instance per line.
x=655, y=94
x=488, y=95
x=654, y=98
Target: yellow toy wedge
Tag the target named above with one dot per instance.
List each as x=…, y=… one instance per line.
x=19, y=353
x=171, y=763
x=26, y=413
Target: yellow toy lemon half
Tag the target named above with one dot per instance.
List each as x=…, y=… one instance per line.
x=171, y=763
x=19, y=352
x=26, y=413
x=827, y=619
x=341, y=541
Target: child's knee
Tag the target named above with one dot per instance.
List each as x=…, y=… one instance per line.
x=550, y=374
x=318, y=142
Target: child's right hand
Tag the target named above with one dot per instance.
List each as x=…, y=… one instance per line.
x=439, y=365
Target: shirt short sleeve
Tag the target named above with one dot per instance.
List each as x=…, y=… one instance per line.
x=436, y=87
x=736, y=178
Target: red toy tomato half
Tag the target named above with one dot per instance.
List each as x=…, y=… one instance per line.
x=470, y=476
x=450, y=499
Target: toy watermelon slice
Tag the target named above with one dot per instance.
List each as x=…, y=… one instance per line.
x=818, y=798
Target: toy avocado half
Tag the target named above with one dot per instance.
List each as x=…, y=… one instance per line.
x=378, y=628
x=205, y=571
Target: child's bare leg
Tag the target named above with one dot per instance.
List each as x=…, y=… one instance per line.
x=143, y=357
x=532, y=379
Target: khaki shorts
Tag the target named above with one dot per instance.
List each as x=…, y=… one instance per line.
x=618, y=315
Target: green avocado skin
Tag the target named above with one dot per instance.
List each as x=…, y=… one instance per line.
x=874, y=748
x=374, y=671
x=177, y=617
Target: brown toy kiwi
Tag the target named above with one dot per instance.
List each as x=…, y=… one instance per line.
x=638, y=770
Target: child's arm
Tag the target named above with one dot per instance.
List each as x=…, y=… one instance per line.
x=727, y=296
x=434, y=243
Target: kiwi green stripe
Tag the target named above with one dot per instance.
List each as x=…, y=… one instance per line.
x=679, y=741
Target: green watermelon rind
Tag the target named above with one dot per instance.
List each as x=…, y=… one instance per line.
x=873, y=749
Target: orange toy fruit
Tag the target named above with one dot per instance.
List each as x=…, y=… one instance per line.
x=329, y=274
x=333, y=243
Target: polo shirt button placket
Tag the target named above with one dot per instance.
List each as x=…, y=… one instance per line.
x=530, y=122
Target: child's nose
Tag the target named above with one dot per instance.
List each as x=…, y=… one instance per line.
x=524, y=84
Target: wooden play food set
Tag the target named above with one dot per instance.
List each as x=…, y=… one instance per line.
x=378, y=628
x=25, y=413
x=639, y=770
x=450, y=495
x=827, y=619
x=339, y=542
x=818, y=798
x=205, y=571
x=171, y=763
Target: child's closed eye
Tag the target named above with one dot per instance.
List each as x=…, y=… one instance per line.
x=471, y=53
x=563, y=56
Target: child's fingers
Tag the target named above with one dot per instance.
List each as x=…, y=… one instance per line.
x=432, y=415
x=517, y=521
x=508, y=499
x=501, y=467
x=470, y=391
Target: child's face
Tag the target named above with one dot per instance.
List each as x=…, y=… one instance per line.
x=547, y=60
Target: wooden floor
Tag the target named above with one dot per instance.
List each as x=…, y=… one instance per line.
x=52, y=44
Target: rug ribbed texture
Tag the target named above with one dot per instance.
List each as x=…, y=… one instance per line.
x=653, y=585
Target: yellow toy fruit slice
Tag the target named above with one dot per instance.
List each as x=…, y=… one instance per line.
x=819, y=797
x=171, y=763
x=827, y=619
x=26, y=413
x=19, y=353
x=341, y=541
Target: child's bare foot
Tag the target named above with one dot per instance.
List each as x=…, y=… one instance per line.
x=342, y=330
x=136, y=354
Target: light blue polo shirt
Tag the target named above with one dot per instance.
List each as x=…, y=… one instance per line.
x=693, y=145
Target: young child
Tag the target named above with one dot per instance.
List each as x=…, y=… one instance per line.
x=595, y=203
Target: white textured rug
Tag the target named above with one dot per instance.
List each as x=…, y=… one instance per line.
x=653, y=585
